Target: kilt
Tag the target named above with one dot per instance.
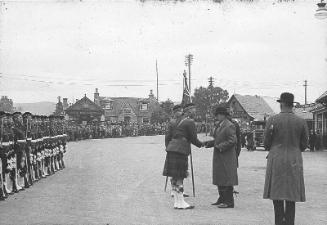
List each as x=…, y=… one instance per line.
x=176, y=165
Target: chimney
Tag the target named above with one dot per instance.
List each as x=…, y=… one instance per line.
x=96, y=97
x=65, y=103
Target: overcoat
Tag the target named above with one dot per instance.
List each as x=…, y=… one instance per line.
x=224, y=163
x=286, y=136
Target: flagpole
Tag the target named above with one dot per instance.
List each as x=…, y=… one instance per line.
x=157, y=81
x=191, y=159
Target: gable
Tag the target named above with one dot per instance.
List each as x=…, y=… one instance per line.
x=255, y=106
x=84, y=104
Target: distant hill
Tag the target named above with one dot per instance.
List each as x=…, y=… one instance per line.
x=37, y=108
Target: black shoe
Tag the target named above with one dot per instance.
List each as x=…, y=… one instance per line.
x=225, y=206
x=218, y=202
x=185, y=195
x=190, y=207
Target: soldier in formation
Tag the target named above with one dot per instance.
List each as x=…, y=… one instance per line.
x=31, y=148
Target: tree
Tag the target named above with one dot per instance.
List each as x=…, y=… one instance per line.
x=163, y=113
x=167, y=106
x=206, y=99
x=6, y=104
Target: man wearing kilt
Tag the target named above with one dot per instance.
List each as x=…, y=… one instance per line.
x=180, y=136
x=19, y=147
x=34, y=148
x=177, y=115
x=3, y=157
x=63, y=142
x=27, y=120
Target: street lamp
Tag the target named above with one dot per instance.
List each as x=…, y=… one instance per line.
x=321, y=12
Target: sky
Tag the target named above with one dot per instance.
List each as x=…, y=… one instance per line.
x=69, y=48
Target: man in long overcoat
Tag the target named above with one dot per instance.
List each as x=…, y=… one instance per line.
x=224, y=163
x=286, y=136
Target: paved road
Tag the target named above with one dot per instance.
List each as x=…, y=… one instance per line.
x=118, y=181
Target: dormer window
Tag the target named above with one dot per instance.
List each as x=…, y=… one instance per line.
x=144, y=106
x=108, y=106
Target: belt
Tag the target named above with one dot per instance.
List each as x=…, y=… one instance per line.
x=6, y=143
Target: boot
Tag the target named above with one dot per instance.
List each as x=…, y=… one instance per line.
x=174, y=193
x=181, y=204
x=228, y=199
x=3, y=196
x=5, y=188
x=63, y=163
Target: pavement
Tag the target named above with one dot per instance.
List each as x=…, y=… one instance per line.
x=119, y=181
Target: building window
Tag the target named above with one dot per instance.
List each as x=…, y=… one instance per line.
x=108, y=106
x=144, y=106
x=145, y=120
x=127, y=110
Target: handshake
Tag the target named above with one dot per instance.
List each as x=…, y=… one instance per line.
x=207, y=144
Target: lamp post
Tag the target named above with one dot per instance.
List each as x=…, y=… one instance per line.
x=321, y=12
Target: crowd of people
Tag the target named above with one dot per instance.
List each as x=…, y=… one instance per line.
x=77, y=132
x=32, y=147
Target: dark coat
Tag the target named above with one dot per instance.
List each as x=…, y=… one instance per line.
x=181, y=134
x=286, y=136
x=224, y=163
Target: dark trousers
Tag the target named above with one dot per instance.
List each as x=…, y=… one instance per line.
x=284, y=212
x=226, y=195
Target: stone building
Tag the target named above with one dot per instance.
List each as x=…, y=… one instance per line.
x=127, y=109
x=84, y=111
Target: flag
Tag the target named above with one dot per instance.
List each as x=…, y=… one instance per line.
x=186, y=92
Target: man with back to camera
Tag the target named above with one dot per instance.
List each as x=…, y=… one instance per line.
x=286, y=136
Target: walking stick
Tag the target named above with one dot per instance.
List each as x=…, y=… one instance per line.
x=166, y=183
x=192, y=174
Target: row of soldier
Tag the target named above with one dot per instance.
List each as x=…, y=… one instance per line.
x=107, y=130
x=32, y=147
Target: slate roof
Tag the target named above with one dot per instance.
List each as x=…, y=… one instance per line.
x=119, y=103
x=84, y=104
x=304, y=111
x=255, y=106
x=322, y=98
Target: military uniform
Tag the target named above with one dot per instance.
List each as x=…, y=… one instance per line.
x=27, y=120
x=19, y=147
x=181, y=134
x=3, y=157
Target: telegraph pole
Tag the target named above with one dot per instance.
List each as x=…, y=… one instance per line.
x=305, y=91
x=211, y=81
x=188, y=62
